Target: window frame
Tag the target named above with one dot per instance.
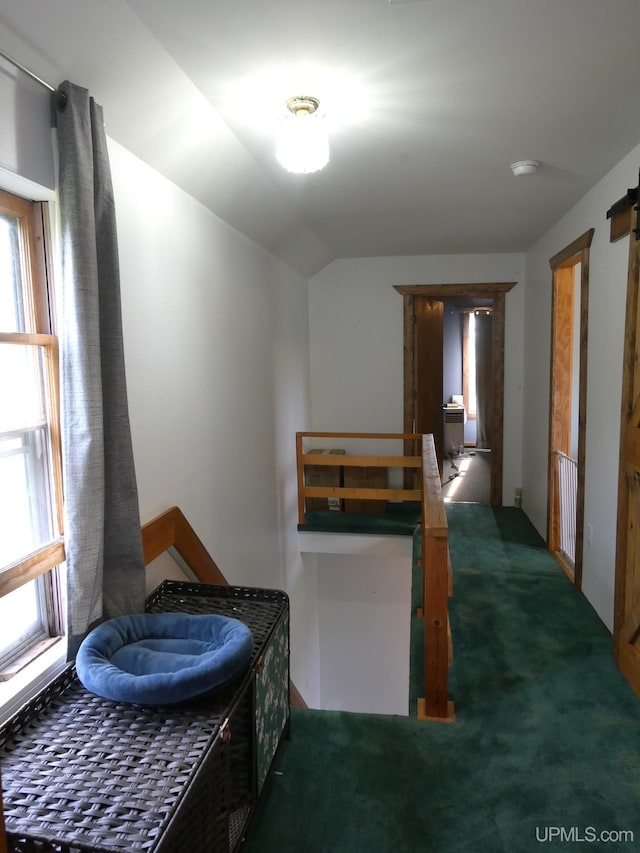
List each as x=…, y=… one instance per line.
x=42, y=564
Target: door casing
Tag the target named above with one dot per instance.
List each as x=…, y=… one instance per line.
x=428, y=363
x=562, y=265
x=496, y=291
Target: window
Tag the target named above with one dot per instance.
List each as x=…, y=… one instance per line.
x=31, y=545
x=469, y=364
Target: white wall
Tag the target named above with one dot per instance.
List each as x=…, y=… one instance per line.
x=26, y=157
x=356, y=342
x=607, y=295
x=363, y=585
x=292, y=413
x=365, y=622
x=216, y=346
x=197, y=301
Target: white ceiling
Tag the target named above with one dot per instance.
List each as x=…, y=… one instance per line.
x=428, y=103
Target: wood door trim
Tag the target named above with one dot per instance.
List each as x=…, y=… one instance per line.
x=429, y=362
x=576, y=252
x=484, y=290
x=497, y=413
x=481, y=290
x=566, y=256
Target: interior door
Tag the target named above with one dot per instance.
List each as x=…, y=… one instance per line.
x=627, y=615
x=429, y=344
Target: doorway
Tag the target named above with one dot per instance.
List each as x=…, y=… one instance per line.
x=467, y=399
x=568, y=405
x=415, y=298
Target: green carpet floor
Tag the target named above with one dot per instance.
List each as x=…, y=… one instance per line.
x=545, y=751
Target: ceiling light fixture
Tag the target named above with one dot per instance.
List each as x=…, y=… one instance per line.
x=525, y=167
x=303, y=144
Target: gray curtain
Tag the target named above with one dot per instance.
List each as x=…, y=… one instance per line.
x=105, y=565
x=484, y=380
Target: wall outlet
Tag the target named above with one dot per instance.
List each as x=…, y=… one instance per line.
x=590, y=534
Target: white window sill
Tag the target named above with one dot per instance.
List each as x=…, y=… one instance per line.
x=31, y=679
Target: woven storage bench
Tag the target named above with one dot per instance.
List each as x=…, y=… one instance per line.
x=81, y=773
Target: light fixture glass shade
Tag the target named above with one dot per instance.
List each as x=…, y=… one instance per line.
x=525, y=167
x=303, y=144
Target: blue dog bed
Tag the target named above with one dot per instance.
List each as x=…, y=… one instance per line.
x=162, y=658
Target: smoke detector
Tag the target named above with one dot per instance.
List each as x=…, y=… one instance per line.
x=525, y=167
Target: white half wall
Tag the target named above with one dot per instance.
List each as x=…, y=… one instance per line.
x=607, y=299
x=363, y=620
x=356, y=342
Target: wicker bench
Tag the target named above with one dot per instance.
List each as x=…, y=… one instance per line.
x=81, y=773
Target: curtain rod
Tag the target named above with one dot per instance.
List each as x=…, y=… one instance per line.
x=28, y=72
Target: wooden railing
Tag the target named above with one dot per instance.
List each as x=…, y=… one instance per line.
x=172, y=530
x=354, y=461
x=437, y=587
x=436, y=565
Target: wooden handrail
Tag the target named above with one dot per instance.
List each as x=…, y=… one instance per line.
x=172, y=530
x=436, y=590
x=363, y=461
x=396, y=435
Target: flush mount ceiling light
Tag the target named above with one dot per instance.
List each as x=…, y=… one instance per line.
x=303, y=145
x=525, y=167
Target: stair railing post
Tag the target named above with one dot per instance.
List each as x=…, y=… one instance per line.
x=435, y=594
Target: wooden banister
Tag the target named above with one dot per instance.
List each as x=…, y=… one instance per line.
x=354, y=461
x=395, y=435
x=172, y=530
x=363, y=461
x=436, y=590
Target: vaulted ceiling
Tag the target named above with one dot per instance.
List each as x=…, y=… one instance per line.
x=428, y=103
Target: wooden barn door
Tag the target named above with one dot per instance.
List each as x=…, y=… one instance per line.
x=627, y=605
